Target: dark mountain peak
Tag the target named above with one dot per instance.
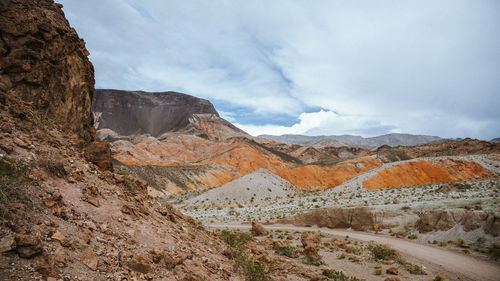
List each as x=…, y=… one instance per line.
x=138, y=112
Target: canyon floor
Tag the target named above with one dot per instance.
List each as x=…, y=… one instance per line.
x=433, y=259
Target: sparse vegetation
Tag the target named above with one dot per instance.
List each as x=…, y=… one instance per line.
x=253, y=270
x=414, y=269
x=339, y=276
x=289, y=251
x=317, y=261
x=13, y=180
x=54, y=166
x=439, y=277
x=381, y=252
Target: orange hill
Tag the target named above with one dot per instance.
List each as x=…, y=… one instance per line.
x=426, y=172
x=313, y=177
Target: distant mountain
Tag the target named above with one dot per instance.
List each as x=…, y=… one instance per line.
x=495, y=140
x=128, y=113
x=321, y=141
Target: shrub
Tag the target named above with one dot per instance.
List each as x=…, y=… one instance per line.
x=413, y=236
x=316, y=261
x=378, y=271
x=339, y=276
x=494, y=251
x=13, y=186
x=54, y=167
x=381, y=252
x=439, y=277
x=252, y=269
x=288, y=251
x=130, y=184
x=414, y=269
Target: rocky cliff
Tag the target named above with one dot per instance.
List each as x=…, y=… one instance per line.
x=127, y=113
x=44, y=63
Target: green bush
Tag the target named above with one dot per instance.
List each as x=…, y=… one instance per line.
x=439, y=277
x=316, y=261
x=288, y=251
x=252, y=269
x=414, y=269
x=494, y=251
x=338, y=276
x=381, y=252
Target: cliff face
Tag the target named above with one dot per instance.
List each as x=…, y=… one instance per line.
x=44, y=62
x=127, y=113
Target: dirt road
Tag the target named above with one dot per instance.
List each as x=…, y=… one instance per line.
x=460, y=266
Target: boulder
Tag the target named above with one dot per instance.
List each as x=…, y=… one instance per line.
x=99, y=153
x=28, y=246
x=258, y=229
x=89, y=258
x=392, y=270
x=140, y=263
x=7, y=243
x=310, y=244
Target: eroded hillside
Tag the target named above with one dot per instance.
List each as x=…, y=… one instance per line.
x=64, y=212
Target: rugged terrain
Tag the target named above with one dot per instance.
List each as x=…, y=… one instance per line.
x=77, y=209
x=64, y=213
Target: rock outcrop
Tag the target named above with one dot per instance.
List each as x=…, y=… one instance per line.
x=258, y=229
x=443, y=220
x=44, y=63
x=362, y=218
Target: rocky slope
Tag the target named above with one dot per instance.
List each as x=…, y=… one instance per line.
x=61, y=216
x=389, y=139
x=44, y=62
x=129, y=113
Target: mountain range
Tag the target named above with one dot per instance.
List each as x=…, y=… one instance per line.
x=350, y=140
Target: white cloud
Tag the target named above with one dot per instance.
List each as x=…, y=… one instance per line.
x=321, y=123
x=427, y=67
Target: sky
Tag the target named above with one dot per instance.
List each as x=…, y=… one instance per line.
x=308, y=67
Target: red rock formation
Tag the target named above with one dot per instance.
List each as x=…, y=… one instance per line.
x=426, y=172
x=314, y=177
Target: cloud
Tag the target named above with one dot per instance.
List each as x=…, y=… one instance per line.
x=323, y=122
x=426, y=67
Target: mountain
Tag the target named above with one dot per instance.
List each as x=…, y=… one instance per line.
x=62, y=216
x=495, y=140
x=321, y=141
x=120, y=114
